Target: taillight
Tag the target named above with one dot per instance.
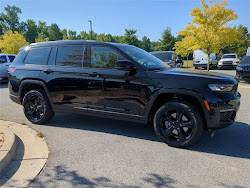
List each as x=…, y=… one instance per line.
x=11, y=69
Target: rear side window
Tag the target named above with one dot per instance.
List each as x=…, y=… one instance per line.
x=37, y=56
x=3, y=58
x=20, y=57
x=11, y=58
x=71, y=56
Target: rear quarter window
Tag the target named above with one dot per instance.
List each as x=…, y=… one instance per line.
x=37, y=56
x=20, y=57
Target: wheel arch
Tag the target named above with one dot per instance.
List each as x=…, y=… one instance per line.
x=165, y=95
x=28, y=85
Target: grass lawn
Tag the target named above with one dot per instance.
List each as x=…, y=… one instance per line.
x=187, y=64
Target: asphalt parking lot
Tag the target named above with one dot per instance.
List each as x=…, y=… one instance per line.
x=95, y=152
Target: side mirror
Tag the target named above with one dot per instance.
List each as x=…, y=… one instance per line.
x=124, y=65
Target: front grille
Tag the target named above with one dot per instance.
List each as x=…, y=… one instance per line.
x=227, y=62
x=227, y=116
x=247, y=69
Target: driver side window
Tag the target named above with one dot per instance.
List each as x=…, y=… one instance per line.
x=104, y=57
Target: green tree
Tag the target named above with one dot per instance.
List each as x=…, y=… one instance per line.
x=65, y=34
x=54, y=32
x=104, y=38
x=130, y=37
x=238, y=48
x=41, y=38
x=146, y=44
x=209, y=27
x=11, y=42
x=167, y=42
x=10, y=19
x=154, y=45
x=42, y=28
x=72, y=35
x=1, y=30
x=31, y=33
x=22, y=28
x=185, y=47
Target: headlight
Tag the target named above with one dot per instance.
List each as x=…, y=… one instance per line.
x=239, y=69
x=221, y=87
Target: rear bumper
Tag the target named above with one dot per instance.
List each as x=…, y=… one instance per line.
x=223, y=113
x=15, y=99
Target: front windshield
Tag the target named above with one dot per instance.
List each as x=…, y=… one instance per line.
x=228, y=56
x=165, y=57
x=143, y=58
x=245, y=60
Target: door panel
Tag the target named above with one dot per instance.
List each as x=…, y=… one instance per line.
x=66, y=78
x=110, y=89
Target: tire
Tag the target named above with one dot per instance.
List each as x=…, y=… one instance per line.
x=36, y=107
x=181, y=131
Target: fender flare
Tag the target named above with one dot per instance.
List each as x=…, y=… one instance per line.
x=192, y=93
x=37, y=82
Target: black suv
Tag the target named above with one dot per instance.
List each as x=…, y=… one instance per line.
x=121, y=82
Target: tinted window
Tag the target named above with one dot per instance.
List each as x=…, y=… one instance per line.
x=165, y=57
x=20, y=57
x=104, y=57
x=3, y=58
x=70, y=56
x=245, y=60
x=228, y=56
x=11, y=58
x=144, y=58
x=37, y=56
x=52, y=57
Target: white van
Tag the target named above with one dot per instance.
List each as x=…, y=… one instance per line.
x=248, y=51
x=200, y=59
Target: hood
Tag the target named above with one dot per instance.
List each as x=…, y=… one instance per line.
x=244, y=65
x=195, y=75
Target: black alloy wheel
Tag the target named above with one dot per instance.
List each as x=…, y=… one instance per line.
x=178, y=124
x=36, y=107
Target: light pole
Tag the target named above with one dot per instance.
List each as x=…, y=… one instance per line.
x=90, y=29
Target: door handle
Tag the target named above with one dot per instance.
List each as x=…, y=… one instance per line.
x=48, y=71
x=93, y=74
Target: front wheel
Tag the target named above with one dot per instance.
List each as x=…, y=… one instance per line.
x=36, y=107
x=178, y=124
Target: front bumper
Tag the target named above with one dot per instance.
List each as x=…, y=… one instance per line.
x=242, y=75
x=227, y=66
x=223, y=113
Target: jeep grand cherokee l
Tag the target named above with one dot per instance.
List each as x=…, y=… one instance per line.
x=122, y=82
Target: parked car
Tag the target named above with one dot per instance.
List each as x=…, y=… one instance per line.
x=169, y=58
x=5, y=61
x=248, y=51
x=121, y=82
x=200, y=59
x=229, y=61
x=243, y=69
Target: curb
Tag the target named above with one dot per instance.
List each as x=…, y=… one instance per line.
x=7, y=151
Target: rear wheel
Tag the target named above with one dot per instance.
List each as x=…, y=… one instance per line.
x=36, y=107
x=178, y=124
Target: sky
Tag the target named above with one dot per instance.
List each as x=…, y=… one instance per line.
x=149, y=17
